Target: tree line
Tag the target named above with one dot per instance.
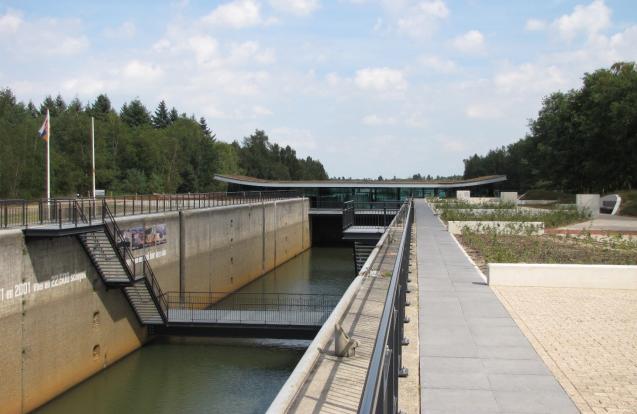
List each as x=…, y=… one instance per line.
x=136, y=151
x=583, y=140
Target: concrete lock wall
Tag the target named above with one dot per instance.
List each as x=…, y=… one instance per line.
x=59, y=324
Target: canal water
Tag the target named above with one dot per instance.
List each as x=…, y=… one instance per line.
x=206, y=375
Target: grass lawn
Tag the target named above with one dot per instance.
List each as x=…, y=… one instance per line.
x=491, y=248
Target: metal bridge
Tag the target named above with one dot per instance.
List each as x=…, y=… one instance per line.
x=277, y=315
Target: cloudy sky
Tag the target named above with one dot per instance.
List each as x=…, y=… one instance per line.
x=369, y=87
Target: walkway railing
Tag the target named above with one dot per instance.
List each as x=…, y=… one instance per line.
x=369, y=214
x=380, y=393
x=61, y=212
x=249, y=308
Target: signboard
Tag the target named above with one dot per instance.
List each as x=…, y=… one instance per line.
x=141, y=237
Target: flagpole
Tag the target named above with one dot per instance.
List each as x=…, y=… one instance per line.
x=48, y=158
x=93, y=153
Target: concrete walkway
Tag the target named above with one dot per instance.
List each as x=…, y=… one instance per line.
x=473, y=357
x=606, y=223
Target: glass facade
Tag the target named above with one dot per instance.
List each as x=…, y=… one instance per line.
x=335, y=196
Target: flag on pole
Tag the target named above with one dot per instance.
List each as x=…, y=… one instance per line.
x=44, y=129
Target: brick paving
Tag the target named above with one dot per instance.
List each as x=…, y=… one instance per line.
x=587, y=338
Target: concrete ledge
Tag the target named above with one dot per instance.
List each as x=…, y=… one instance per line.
x=563, y=275
x=501, y=227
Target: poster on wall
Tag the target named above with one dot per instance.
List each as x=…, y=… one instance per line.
x=141, y=237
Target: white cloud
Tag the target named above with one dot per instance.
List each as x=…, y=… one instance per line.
x=297, y=7
x=530, y=78
x=236, y=14
x=10, y=22
x=483, y=111
x=422, y=19
x=259, y=111
x=29, y=39
x=471, y=43
x=375, y=120
x=205, y=48
x=301, y=140
x=439, y=64
x=141, y=71
x=452, y=145
x=84, y=86
x=590, y=20
x=535, y=25
x=126, y=30
x=380, y=79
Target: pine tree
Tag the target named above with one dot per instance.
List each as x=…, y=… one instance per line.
x=173, y=115
x=48, y=103
x=161, y=118
x=204, y=127
x=33, y=111
x=135, y=114
x=60, y=105
x=101, y=106
x=75, y=106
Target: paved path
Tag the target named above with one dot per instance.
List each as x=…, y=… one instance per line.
x=606, y=222
x=473, y=357
x=587, y=337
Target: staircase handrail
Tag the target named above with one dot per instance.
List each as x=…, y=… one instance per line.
x=79, y=211
x=155, y=290
x=119, y=242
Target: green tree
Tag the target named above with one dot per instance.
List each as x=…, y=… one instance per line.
x=161, y=117
x=135, y=114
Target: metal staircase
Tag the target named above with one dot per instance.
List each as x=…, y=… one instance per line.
x=104, y=257
x=116, y=265
x=361, y=253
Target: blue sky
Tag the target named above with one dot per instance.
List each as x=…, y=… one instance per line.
x=369, y=87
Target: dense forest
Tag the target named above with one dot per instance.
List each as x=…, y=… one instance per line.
x=136, y=151
x=583, y=140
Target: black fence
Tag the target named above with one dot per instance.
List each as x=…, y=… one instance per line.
x=25, y=213
x=290, y=309
x=380, y=393
x=369, y=214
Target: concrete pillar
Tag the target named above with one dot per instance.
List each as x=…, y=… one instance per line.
x=509, y=196
x=262, y=235
x=588, y=202
x=182, y=254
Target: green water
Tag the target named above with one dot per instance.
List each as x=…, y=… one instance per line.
x=205, y=375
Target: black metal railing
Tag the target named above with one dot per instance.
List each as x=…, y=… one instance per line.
x=66, y=211
x=250, y=308
x=327, y=202
x=369, y=214
x=380, y=393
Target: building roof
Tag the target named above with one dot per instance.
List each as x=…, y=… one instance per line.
x=258, y=182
